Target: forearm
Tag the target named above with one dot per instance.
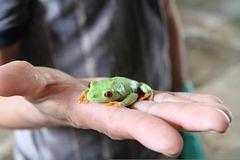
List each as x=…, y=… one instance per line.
x=177, y=47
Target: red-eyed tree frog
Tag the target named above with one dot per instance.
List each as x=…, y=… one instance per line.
x=117, y=91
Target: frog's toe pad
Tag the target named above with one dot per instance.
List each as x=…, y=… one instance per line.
x=114, y=103
x=83, y=97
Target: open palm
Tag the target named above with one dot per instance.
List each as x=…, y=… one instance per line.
x=41, y=96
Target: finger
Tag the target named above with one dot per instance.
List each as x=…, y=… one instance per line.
x=187, y=116
x=19, y=78
x=124, y=123
x=198, y=97
x=168, y=97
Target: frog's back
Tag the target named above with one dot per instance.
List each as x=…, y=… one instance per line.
x=124, y=80
x=125, y=85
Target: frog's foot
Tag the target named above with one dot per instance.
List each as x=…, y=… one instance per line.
x=114, y=103
x=145, y=92
x=83, y=97
x=146, y=96
x=151, y=96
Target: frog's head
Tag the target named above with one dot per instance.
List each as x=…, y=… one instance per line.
x=102, y=91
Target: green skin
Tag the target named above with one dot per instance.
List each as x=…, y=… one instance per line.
x=119, y=89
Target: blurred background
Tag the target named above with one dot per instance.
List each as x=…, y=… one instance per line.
x=212, y=35
x=213, y=54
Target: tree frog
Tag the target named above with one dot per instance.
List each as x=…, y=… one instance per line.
x=117, y=91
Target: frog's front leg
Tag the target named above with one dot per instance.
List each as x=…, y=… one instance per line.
x=83, y=97
x=130, y=99
x=145, y=91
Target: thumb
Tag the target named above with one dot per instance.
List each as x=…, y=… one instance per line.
x=20, y=78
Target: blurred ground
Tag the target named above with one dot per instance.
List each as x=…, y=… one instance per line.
x=213, y=52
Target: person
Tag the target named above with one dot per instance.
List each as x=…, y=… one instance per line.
x=64, y=45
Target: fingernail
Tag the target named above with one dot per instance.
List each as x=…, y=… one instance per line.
x=231, y=116
x=228, y=117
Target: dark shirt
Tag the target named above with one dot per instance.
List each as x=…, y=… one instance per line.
x=87, y=38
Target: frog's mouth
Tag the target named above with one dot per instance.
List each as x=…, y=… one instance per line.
x=103, y=100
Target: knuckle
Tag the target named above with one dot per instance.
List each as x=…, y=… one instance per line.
x=22, y=65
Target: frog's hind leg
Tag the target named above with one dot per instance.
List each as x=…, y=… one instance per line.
x=130, y=99
x=83, y=97
x=145, y=92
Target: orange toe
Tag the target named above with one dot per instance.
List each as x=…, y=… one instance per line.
x=83, y=97
x=114, y=103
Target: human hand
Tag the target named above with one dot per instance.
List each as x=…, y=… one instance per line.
x=49, y=97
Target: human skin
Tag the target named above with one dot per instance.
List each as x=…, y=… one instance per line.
x=34, y=97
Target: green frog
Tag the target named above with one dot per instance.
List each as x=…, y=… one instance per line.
x=117, y=91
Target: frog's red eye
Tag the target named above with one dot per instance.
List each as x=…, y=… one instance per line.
x=108, y=94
